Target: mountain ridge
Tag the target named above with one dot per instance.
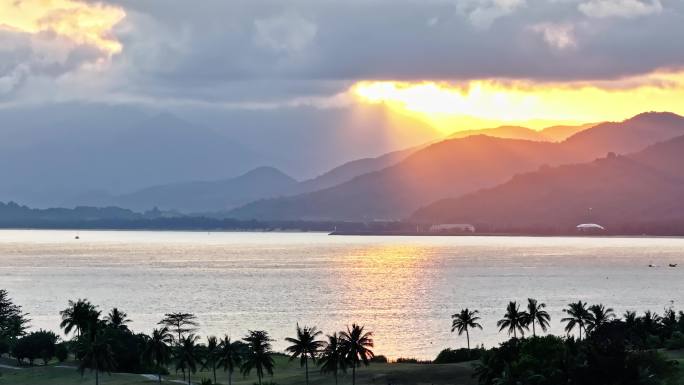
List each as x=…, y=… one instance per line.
x=458, y=166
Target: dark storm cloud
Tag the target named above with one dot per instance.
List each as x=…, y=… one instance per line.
x=218, y=50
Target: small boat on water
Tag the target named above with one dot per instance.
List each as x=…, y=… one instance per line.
x=672, y=265
x=77, y=237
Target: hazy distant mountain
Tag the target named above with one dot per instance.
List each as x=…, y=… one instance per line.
x=457, y=166
x=549, y=134
x=646, y=187
x=62, y=162
x=355, y=168
x=72, y=154
x=444, y=169
x=223, y=195
x=263, y=182
x=630, y=135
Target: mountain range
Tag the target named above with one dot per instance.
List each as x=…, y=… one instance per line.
x=548, y=134
x=457, y=166
x=616, y=191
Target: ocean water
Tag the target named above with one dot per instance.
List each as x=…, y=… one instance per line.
x=404, y=289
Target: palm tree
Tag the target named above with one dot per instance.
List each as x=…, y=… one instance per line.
x=259, y=354
x=186, y=356
x=651, y=321
x=630, y=318
x=212, y=354
x=537, y=314
x=356, y=346
x=117, y=319
x=230, y=356
x=598, y=315
x=332, y=358
x=76, y=316
x=96, y=354
x=578, y=315
x=305, y=346
x=514, y=320
x=157, y=349
x=465, y=320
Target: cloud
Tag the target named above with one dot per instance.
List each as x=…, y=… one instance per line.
x=52, y=39
x=270, y=52
x=560, y=36
x=620, y=8
x=482, y=13
x=289, y=33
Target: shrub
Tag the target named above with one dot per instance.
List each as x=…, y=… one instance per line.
x=40, y=344
x=379, y=359
x=452, y=356
x=4, y=346
x=402, y=360
x=676, y=341
x=61, y=352
x=653, y=342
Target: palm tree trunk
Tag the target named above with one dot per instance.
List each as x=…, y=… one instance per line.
x=534, y=332
x=515, y=335
x=306, y=369
x=335, y=377
x=189, y=382
x=468, y=338
x=159, y=376
x=214, y=369
x=230, y=377
x=580, y=335
x=97, y=377
x=354, y=374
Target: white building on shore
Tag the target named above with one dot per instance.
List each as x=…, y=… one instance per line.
x=452, y=228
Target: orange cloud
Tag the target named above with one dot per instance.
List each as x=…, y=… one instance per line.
x=78, y=21
x=486, y=103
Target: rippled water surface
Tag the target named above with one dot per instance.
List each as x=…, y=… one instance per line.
x=402, y=288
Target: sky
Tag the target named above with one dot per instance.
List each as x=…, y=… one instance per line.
x=452, y=64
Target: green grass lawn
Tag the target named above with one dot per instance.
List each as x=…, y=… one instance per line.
x=286, y=373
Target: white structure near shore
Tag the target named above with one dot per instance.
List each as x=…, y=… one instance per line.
x=452, y=228
x=590, y=228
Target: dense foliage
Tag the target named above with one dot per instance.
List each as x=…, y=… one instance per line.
x=13, y=322
x=35, y=345
x=452, y=356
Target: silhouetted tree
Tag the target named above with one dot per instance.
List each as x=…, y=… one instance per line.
x=186, y=356
x=598, y=315
x=332, y=358
x=230, y=356
x=94, y=350
x=13, y=322
x=514, y=320
x=465, y=320
x=578, y=316
x=305, y=346
x=77, y=316
x=356, y=344
x=212, y=355
x=259, y=354
x=158, y=350
x=180, y=323
x=117, y=319
x=537, y=314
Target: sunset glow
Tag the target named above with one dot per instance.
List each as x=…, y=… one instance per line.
x=78, y=21
x=486, y=103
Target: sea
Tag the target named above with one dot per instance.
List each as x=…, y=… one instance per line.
x=403, y=289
